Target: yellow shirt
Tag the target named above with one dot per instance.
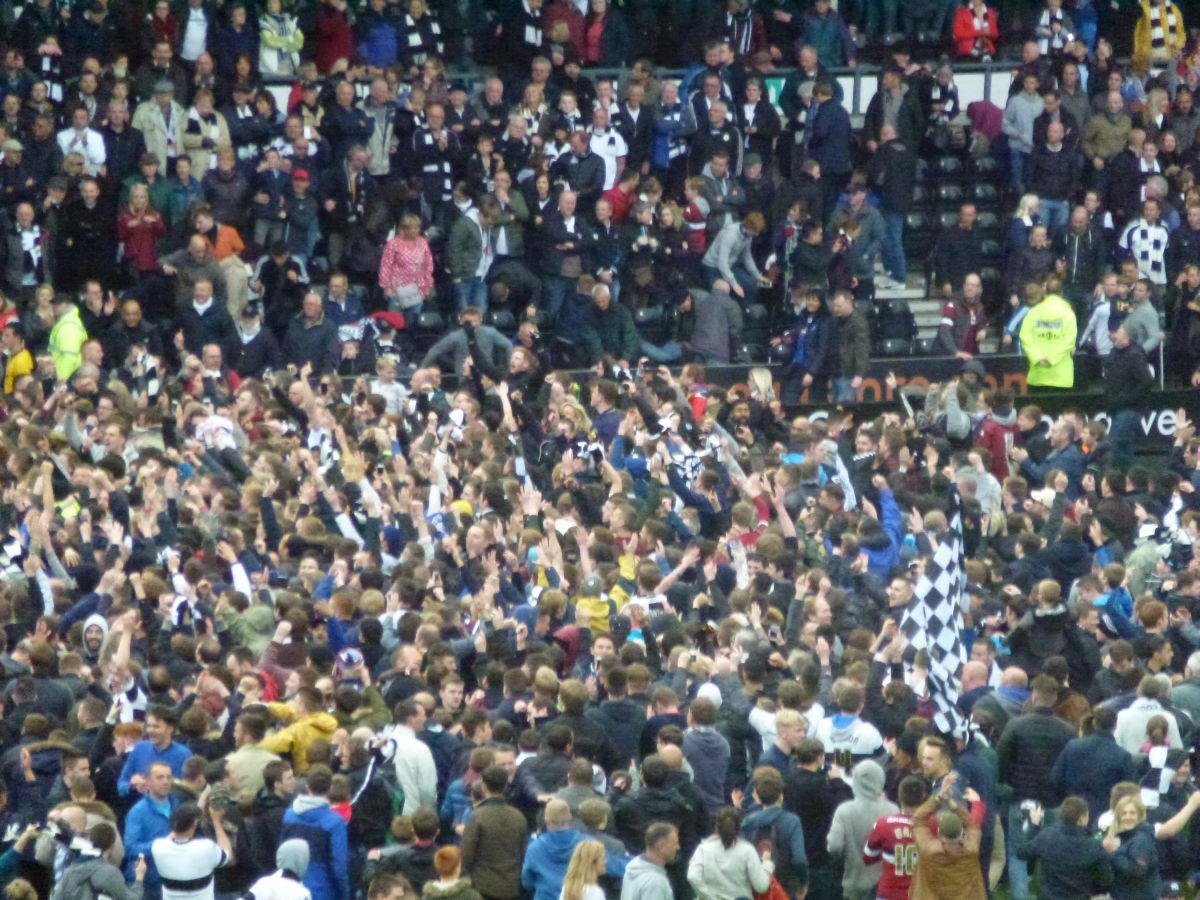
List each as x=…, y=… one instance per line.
x=21, y=364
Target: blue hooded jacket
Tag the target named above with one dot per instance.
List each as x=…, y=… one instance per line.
x=547, y=859
x=311, y=820
x=881, y=559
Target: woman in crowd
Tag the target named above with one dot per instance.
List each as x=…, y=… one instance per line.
x=139, y=230
x=726, y=866
x=406, y=270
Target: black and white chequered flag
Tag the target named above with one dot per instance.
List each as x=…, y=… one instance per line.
x=934, y=622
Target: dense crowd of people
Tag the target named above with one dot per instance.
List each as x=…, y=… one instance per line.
x=360, y=538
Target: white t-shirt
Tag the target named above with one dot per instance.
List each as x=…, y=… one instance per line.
x=609, y=146
x=187, y=861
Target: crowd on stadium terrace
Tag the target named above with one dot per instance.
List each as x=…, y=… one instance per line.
x=293, y=606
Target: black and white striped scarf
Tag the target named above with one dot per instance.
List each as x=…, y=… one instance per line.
x=1158, y=34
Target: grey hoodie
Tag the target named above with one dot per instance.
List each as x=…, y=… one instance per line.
x=100, y=875
x=852, y=825
x=717, y=324
x=645, y=880
x=1019, y=116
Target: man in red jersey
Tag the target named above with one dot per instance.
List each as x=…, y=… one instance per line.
x=891, y=842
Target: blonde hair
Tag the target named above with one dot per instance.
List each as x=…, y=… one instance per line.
x=1027, y=200
x=676, y=216
x=1130, y=800
x=587, y=864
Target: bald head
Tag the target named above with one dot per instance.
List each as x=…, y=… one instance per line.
x=75, y=817
x=1013, y=677
x=975, y=675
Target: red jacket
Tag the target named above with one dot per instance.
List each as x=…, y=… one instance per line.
x=140, y=238
x=998, y=436
x=965, y=32
x=335, y=38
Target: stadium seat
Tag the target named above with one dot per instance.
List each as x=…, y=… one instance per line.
x=993, y=282
x=894, y=347
x=647, y=315
x=985, y=165
x=429, y=320
x=923, y=170
x=991, y=249
x=948, y=219
x=923, y=346
x=502, y=320
x=985, y=194
x=756, y=312
x=751, y=352
x=915, y=222
x=920, y=196
x=947, y=165
x=949, y=195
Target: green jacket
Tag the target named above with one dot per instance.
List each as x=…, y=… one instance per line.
x=612, y=331
x=464, y=247
x=512, y=222
x=251, y=629
x=66, y=344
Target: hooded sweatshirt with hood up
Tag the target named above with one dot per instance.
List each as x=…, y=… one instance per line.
x=102, y=623
x=286, y=882
x=852, y=825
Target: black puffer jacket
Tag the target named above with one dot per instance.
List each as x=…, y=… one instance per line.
x=661, y=804
x=622, y=721
x=1027, y=751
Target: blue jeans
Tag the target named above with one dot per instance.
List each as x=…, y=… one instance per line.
x=666, y=353
x=893, y=245
x=1018, y=869
x=471, y=292
x=843, y=391
x=748, y=282
x=555, y=290
x=1055, y=215
x=1017, y=160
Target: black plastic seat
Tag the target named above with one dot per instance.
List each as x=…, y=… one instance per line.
x=894, y=347
x=985, y=165
x=430, y=320
x=502, y=320
x=949, y=194
x=648, y=315
x=948, y=165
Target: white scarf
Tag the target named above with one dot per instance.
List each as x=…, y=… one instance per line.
x=214, y=131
